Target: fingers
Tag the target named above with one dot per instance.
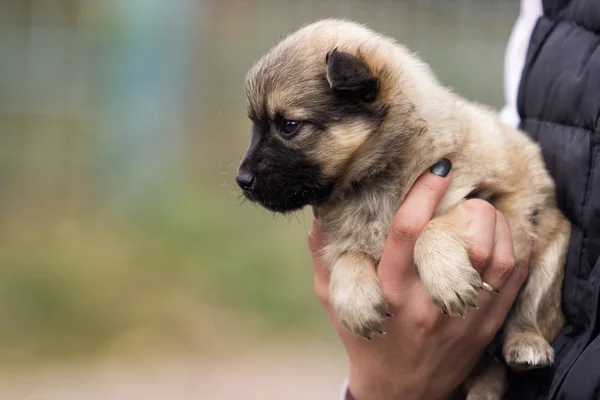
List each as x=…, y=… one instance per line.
x=499, y=271
x=501, y=305
x=505, y=274
x=316, y=243
x=497, y=267
x=411, y=218
x=481, y=231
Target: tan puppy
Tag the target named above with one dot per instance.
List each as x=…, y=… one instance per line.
x=345, y=119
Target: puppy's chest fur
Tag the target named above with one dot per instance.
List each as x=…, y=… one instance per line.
x=361, y=219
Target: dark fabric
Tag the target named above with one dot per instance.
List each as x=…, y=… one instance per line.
x=559, y=105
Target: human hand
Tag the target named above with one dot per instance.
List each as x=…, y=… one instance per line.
x=424, y=354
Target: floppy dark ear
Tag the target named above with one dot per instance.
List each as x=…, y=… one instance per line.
x=351, y=75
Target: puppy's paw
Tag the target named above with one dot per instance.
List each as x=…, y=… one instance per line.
x=444, y=266
x=355, y=294
x=483, y=395
x=528, y=350
x=361, y=309
x=489, y=387
x=455, y=292
x=488, y=381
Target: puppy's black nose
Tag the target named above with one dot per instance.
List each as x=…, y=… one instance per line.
x=245, y=180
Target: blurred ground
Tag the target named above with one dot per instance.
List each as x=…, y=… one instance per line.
x=315, y=374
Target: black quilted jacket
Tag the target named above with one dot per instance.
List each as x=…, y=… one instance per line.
x=559, y=105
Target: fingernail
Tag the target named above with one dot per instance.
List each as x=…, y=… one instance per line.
x=442, y=168
x=315, y=212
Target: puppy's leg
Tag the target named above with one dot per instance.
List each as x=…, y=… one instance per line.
x=442, y=259
x=488, y=380
x=355, y=294
x=536, y=317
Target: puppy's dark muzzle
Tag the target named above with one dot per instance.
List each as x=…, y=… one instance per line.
x=245, y=180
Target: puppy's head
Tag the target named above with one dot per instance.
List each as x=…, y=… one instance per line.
x=314, y=101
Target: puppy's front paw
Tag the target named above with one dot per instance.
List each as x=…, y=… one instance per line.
x=454, y=293
x=447, y=274
x=355, y=294
x=361, y=309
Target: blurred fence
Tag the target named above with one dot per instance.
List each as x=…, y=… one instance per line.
x=121, y=124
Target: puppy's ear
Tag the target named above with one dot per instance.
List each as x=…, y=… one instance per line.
x=351, y=76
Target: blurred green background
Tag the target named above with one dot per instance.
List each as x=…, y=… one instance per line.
x=122, y=122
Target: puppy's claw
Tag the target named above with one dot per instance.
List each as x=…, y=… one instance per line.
x=528, y=351
x=456, y=299
x=451, y=281
x=389, y=315
x=380, y=332
x=363, y=316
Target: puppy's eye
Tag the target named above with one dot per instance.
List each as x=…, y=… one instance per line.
x=289, y=128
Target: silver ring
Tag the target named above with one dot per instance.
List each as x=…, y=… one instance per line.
x=489, y=288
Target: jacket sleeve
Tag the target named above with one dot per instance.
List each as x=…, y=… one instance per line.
x=580, y=379
x=582, y=382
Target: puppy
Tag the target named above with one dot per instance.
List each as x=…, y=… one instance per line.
x=346, y=120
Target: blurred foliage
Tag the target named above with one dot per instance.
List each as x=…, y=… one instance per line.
x=122, y=122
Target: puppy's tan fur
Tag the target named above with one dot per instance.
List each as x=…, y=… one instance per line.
x=374, y=162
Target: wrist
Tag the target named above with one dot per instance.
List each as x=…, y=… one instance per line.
x=349, y=396
x=381, y=386
x=362, y=393
x=376, y=384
